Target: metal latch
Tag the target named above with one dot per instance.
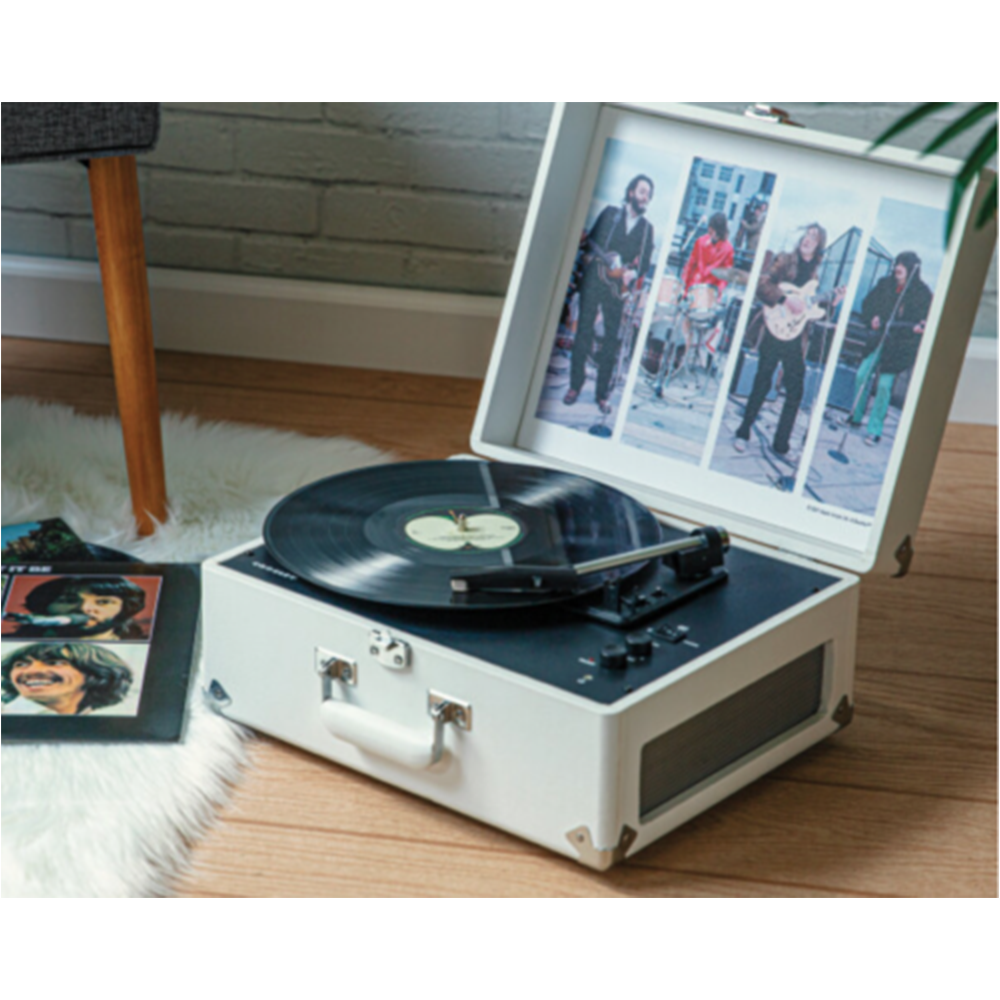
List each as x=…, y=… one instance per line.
x=389, y=651
x=769, y=113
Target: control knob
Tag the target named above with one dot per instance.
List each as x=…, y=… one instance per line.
x=639, y=645
x=614, y=656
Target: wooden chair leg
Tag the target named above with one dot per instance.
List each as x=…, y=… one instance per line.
x=114, y=193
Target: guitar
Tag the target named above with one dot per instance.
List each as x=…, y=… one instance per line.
x=785, y=324
x=611, y=270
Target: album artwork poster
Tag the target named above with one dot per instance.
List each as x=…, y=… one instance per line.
x=762, y=387
x=97, y=651
x=615, y=257
x=48, y=540
x=774, y=389
x=877, y=357
x=699, y=297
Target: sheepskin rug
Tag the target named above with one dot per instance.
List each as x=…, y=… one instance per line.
x=120, y=819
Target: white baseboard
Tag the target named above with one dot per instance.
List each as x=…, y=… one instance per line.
x=272, y=318
x=320, y=323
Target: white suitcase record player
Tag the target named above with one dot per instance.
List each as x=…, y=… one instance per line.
x=751, y=330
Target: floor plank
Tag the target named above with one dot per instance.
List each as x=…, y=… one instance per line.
x=929, y=625
x=262, y=861
x=980, y=438
x=963, y=493
x=947, y=554
x=248, y=373
x=920, y=734
x=889, y=843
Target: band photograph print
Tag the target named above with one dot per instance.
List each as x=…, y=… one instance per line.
x=884, y=336
x=609, y=287
x=106, y=607
x=773, y=392
x=698, y=302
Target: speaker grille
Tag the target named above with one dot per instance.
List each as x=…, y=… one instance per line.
x=685, y=756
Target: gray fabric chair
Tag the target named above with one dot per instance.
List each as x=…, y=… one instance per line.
x=107, y=137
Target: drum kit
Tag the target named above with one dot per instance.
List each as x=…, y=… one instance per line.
x=701, y=308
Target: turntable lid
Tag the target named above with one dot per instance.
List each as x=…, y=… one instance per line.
x=788, y=325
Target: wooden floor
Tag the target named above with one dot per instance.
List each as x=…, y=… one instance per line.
x=901, y=803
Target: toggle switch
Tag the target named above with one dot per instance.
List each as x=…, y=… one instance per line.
x=673, y=634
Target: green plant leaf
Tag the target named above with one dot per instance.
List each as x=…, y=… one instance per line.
x=908, y=121
x=975, y=162
x=962, y=125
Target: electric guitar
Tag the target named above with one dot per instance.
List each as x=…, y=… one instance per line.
x=784, y=324
x=611, y=271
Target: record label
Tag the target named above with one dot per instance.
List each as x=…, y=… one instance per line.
x=457, y=530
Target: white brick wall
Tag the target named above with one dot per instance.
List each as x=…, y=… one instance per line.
x=418, y=195
x=415, y=195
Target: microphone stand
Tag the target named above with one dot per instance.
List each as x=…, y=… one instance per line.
x=838, y=454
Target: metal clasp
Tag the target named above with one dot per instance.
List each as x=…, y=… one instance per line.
x=769, y=113
x=390, y=652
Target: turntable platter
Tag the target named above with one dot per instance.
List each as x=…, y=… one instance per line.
x=398, y=533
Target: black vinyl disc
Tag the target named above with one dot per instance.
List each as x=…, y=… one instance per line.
x=397, y=533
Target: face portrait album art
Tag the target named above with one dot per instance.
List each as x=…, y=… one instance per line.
x=94, y=605
x=97, y=651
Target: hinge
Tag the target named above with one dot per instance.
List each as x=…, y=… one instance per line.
x=334, y=667
x=904, y=556
x=450, y=710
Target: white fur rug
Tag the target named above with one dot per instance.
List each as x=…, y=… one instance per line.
x=119, y=819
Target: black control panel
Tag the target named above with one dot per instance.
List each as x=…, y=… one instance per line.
x=557, y=645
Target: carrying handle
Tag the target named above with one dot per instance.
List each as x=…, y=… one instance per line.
x=374, y=734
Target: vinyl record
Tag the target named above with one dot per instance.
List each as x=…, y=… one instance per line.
x=397, y=533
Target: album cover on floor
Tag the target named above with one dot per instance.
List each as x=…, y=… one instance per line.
x=97, y=652
x=49, y=540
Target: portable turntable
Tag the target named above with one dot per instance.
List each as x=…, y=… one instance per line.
x=516, y=634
